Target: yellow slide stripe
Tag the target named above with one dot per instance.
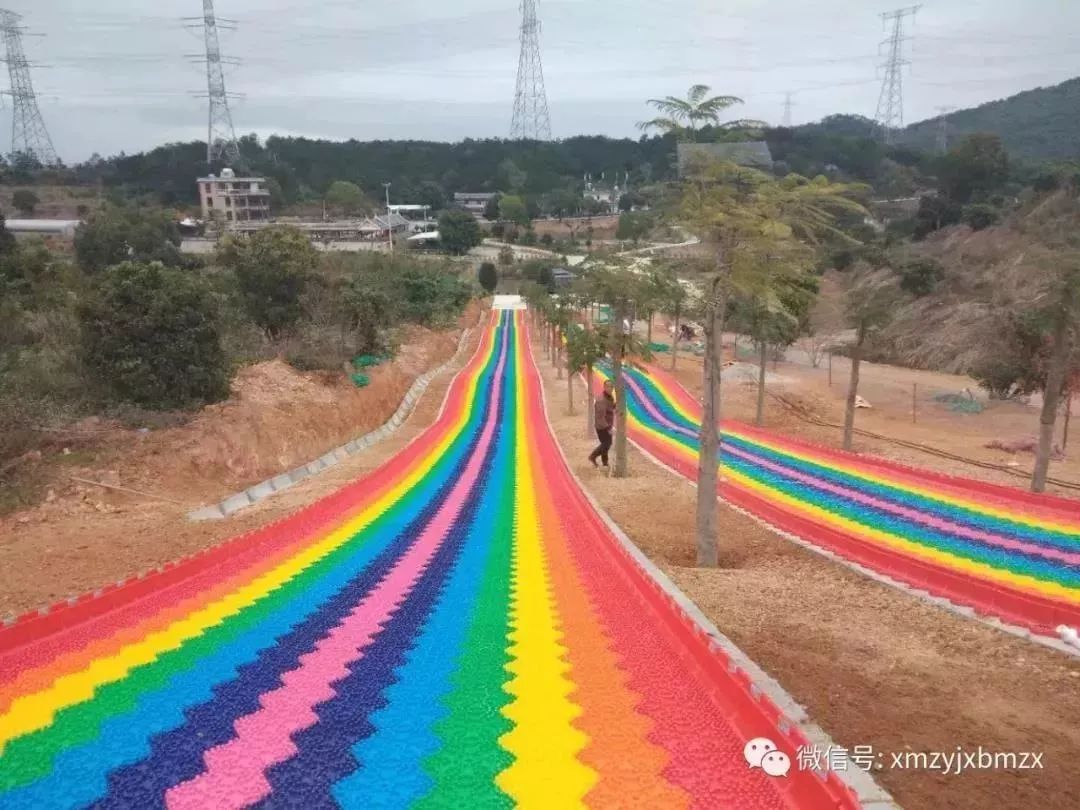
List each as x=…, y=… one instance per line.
x=546, y=771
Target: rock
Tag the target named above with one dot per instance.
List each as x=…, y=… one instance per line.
x=67, y=451
x=23, y=519
x=50, y=496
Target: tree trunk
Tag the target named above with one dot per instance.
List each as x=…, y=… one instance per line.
x=709, y=439
x=853, y=389
x=648, y=330
x=675, y=341
x=558, y=354
x=570, y=389
x=590, y=400
x=619, y=470
x=1055, y=382
x=764, y=351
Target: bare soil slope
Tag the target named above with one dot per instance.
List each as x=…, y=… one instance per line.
x=277, y=418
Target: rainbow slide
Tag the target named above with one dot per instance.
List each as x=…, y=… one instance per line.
x=1006, y=553
x=459, y=629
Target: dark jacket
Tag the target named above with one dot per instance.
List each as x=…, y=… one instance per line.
x=605, y=412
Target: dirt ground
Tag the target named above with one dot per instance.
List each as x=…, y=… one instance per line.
x=889, y=391
x=83, y=536
x=872, y=665
x=602, y=227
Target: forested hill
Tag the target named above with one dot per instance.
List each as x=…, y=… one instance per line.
x=420, y=171
x=1035, y=125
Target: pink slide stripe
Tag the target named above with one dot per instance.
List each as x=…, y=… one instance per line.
x=235, y=771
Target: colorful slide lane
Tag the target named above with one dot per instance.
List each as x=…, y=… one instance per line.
x=459, y=629
x=1006, y=553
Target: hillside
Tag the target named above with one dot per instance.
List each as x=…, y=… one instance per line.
x=1035, y=125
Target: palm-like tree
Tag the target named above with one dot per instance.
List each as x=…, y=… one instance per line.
x=683, y=117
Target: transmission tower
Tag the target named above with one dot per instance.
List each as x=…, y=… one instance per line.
x=28, y=133
x=531, y=120
x=890, y=108
x=221, y=143
x=943, y=128
x=788, y=104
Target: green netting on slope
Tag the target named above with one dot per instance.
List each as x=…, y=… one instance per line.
x=367, y=361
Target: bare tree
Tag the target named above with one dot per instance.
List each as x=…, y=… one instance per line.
x=826, y=319
x=871, y=297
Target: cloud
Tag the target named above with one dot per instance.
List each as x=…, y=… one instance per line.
x=119, y=78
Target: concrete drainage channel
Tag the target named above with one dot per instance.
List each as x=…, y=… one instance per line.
x=279, y=483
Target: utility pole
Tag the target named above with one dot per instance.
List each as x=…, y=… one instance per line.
x=531, y=120
x=890, y=109
x=943, y=128
x=28, y=133
x=788, y=104
x=221, y=143
x=389, y=226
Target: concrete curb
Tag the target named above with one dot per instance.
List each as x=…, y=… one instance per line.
x=870, y=794
x=271, y=486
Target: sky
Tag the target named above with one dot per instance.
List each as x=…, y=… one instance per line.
x=115, y=75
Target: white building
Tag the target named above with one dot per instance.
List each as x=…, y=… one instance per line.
x=232, y=199
x=473, y=202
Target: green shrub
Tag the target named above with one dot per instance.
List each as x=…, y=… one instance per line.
x=488, y=277
x=150, y=336
x=272, y=270
x=921, y=277
x=979, y=216
x=120, y=233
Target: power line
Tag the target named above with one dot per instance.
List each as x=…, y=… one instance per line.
x=890, y=109
x=28, y=133
x=221, y=143
x=531, y=120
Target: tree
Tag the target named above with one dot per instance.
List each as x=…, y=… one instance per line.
x=618, y=284
x=345, y=197
x=114, y=234
x=977, y=166
x=631, y=200
x=934, y=214
x=150, y=335
x=459, y=232
x=513, y=209
x=491, y=208
x=585, y=348
x=745, y=216
x=272, y=269
x=1052, y=282
x=778, y=307
x=921, y=277
x=7, y=238
x=25, y=201
x=634, y=227
x=871, y=297
x=684, y=117
x=370, y=309
x=506, y=256
x=979, y=216
x=826, y=318
x=489, y=277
